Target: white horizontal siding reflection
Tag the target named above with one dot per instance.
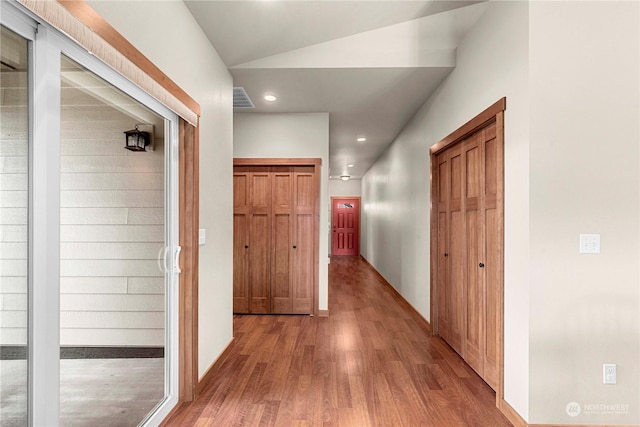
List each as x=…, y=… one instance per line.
x=13, y=250
x=108, y=181
x=112, y=320
x=145, y=285
x=139, y=162
x=13, y=164
x=93, y=285
x=115, y=337
x=13, y=336
x=14, y=147
x=107, y=251
x=14, y=319
x=13, y=267
x=13, y=302
x=111, y=233
x=112, y=225
x=111, y=302
x=92, y=268
x=87, y=147
x=13, y=216
x=93, y=216
x=13, y=198
x=112, y=199
x=13, y=285
x=13, y=182
x=13, y=233
x=146, y=216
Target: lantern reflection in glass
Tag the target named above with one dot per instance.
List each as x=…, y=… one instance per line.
x=136, y=140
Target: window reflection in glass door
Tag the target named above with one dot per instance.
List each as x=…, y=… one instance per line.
x=14, y=184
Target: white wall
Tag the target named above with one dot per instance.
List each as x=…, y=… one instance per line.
x=584, y=175
x=188, y=58
x=291, y=135
x=337, y=187
x=570, y=72
x=492, y=62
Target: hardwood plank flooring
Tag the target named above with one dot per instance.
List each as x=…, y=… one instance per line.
x=372, y=362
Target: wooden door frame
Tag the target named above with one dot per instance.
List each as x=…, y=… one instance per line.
x=359, y=198
x=189, y=211
x=494, y=113
x=316, y=163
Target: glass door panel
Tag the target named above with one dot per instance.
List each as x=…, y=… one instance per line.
x=112, y=255
x=14, y=185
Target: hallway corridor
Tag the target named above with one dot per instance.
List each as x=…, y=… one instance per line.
x=372, y=362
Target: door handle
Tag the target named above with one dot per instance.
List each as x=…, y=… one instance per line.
x=176, y=259
x=446, y=254
x=481, y=265
x=294, y=246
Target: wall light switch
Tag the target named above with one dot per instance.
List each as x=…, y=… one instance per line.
x=202, y=236
x=589, y=243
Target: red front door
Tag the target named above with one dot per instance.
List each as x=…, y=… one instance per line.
x=346, y=226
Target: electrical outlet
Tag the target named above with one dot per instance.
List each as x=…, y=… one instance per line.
x=609, y=373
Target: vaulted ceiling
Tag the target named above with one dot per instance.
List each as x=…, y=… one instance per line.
x=370, y=64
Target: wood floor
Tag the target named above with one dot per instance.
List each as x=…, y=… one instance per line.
x=372, y=362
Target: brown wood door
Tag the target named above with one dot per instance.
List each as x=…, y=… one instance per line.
x=473, y=347
x=492, y=252
x=241, y=209
x=282, y=235
x=345, y=222
x=468, y=244
x=260, y=242
x=303, y=243
x=452, y=252
x=275, y=239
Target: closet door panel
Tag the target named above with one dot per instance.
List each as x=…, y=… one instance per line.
x=280, y=273
x=303, y=264
x=260, y=263
x=455, y=290
x=240, y=271
x=241, y=209
x=456, y=277
x=261, y=191
x=493, y=252
x=442, y=204
x=493, y=279
x=474, y=289
x=305, y=195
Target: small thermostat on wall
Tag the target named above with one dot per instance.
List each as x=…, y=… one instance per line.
x=589, y=243
x=202, y=236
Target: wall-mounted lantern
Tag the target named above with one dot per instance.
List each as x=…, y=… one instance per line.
x=136, y=140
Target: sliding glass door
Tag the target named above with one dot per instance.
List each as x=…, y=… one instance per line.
x=112, y=240
x=88, y=238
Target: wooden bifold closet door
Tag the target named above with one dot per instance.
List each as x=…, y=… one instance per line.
x=468, y=205
x=275, y=238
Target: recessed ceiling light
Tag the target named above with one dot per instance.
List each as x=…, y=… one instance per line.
x=361, y=139
x=345, y=177
x=270, y=98
x=350, y=166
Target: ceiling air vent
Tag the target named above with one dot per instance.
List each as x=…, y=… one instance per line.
x=241, y=99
